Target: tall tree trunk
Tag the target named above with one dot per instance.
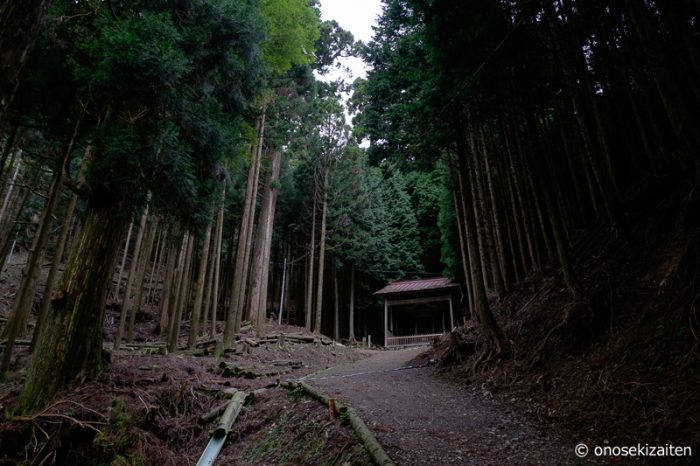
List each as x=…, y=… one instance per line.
x=308, y=303
x=351, y=317
x=496, y=223
x=263, y=246
x=9, y=186
x=69, y=346
x=132, y=275
x=475, y=207
x=245, y=236
x=156, y=266
x=336, y=303
x=486, y=215
x=321, y=254
x=562, y=249
x=217, y=261
x=523, y=212
x=463, y=250
x=486, y=318
x=140, y=280
x=170, y=265
x=10, y=147
x=199, y=293
x=7, y=226
x=182, y=291
x=117, y=288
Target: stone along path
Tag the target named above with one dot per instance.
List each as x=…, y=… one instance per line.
x=421, y=420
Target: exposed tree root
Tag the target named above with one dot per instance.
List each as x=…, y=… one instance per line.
x=465, y=342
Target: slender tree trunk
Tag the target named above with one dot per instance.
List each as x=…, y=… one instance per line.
x=480, y=237
x=310, y=269
x=488, y=233
x=7, y=226
x=463, y=251
x=562, y=251
x=260, y=272
x=286, y=281
x=199, y=294
x=132, y=275
x=183, y=291
x=512, y=247
x=486, y=318
x=523, y=212
x=174, y=291
x=117, y=288
x=140, y=280
x=245, y=236
x=9, y=186
x=351, y=317
x=69, y=346
x=206, y=326
x=10, y=147
x=574, y=176
x=155, y=266
x=217, y=262
x=9, y=176
x=321, y=254
x=170, y=265
x=537, y=202
x=336, y=303
x=496, y=223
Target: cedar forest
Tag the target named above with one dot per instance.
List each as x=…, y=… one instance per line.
x=182, y=171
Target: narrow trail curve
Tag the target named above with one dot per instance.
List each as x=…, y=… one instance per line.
x=421, y=420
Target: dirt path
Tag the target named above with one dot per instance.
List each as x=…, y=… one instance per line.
x=421, y=420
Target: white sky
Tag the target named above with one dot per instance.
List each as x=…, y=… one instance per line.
x=358, y=17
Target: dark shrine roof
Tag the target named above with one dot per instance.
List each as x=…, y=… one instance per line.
x=411, y=286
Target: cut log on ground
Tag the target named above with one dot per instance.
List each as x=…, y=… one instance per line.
x=375, y=450
x=17, y=343
x=208, y=417
x=233, y=408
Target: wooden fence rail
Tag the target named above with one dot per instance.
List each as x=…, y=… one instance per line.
x=411, y=340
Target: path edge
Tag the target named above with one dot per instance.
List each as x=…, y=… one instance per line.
x=373, y=447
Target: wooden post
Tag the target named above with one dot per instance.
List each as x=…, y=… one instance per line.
x=452, y=317
x=392, y=326
x=386, y=321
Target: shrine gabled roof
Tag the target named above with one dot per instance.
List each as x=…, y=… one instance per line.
x=411, y=286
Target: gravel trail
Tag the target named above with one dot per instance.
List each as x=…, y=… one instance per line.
x=421, y=420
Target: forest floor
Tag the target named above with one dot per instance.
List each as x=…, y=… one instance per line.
x=144, y=408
